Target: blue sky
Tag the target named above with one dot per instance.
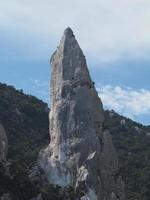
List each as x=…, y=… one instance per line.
x=114, y=35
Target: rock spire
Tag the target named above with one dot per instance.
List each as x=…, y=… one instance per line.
x=81, y=153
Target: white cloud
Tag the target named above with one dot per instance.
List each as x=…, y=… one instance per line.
x=126, y=101
x=106, y=29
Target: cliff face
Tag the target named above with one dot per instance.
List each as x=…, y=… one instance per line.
x=81, y=153
x=3, y=144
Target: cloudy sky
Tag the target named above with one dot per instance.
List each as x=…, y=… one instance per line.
x=114, y=35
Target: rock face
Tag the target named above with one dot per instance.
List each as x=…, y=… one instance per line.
x=6, y=196
x=3, y=144
x=81, y=153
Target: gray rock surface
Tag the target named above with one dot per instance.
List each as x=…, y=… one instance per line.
x=80, y=153
x=6, y=196
x=39, y=197
x=3, y=144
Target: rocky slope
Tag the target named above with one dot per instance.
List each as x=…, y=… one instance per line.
x=131, y=139
x=81, y=154
x=25, y=120
x=3, y=145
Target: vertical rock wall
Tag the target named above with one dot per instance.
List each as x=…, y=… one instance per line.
x=80, y=153
x=3, y=144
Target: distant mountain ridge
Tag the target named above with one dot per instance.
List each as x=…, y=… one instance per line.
x=25, y=119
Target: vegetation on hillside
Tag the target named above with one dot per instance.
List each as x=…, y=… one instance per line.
x=25, y=119
x=132, y=142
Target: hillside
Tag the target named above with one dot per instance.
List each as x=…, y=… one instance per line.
x=132, y=141
x=25, y=119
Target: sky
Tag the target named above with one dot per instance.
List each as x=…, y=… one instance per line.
x=114, y=36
